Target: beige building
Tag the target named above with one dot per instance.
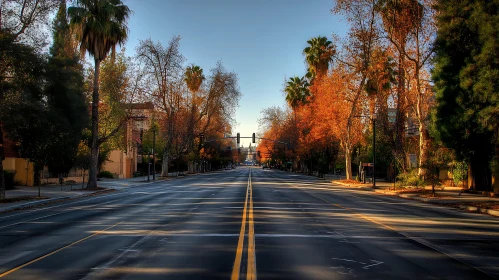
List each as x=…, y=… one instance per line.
x=123, y=164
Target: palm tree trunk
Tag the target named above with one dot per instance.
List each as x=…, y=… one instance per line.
x=94, y=156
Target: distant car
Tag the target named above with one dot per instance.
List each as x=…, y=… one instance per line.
x=265, y=166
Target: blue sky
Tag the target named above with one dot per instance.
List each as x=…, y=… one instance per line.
x=260, y=40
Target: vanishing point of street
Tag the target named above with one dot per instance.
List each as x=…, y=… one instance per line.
x=246, y=223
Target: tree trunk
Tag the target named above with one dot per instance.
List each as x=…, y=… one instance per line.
x=164, y=165
x=190, y=167
x=479, y=174
x=399, y=138
x=94, y=157
x=2, y=179
x=348, y=163
x=423, y=149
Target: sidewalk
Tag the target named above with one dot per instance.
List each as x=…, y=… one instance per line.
x=449, y=196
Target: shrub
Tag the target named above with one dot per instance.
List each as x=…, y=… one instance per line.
x=460, y=173
x=105, y=174
x=410, y=179
x=9, y=179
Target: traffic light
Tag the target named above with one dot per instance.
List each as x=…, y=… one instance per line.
x=238, y=138
x=254, y=138
x=201, y=138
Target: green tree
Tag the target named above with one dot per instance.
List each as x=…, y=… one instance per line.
x=466, y=79
x=65, y=95
x=318, y=56
x=101, y=25
x=48, y=118
x=21, y=79
x=23, y=22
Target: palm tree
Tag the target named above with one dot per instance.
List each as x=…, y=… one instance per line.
x=318, y=56
x=297, y=91
x=101, y=25
x=296, y=94
x=193, y=77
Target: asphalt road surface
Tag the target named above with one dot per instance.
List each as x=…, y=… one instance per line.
x=247, y=223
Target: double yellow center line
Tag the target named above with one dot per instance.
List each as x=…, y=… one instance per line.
x=247, y=213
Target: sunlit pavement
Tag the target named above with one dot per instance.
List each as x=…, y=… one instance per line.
x=225, y=225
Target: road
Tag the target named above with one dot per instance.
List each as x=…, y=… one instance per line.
x=247, y=223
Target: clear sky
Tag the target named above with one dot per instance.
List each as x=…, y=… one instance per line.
x=260, y=40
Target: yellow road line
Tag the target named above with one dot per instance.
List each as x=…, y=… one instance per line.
x=239, y=252
x=251, y=270
x=56, y=251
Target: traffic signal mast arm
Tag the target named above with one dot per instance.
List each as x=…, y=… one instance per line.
x=245, y=137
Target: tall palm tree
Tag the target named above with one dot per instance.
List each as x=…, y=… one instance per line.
x=318, y=56
x=193, y=77
x=101, y=25
x=297, y=91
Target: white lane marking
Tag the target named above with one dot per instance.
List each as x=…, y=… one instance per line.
x=349, y=270
x=366, y=266
x=286, y=208
x=71, y=209
x=261, y=235
x=16, y=256
x=59, y=213
x=375, y=262
x=125, y=251
x=92, y=198
x=349, y=242
x=347, y=260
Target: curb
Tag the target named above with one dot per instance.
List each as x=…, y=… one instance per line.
x=359, y=187
x=426, y=200
x=446, y=204
x=33, y=204
x=481, y=210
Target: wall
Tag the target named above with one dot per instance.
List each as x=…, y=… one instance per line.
x=24, y=170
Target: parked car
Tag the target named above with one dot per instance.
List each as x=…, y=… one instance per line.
x=265, y=166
